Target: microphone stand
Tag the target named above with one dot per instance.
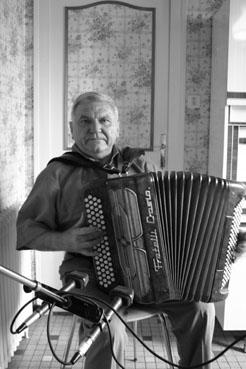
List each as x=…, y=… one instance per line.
x=32, y=285
x=75, y=280
x=74, y=305
x=122, y=296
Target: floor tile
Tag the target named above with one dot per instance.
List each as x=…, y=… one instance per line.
x=34, y=352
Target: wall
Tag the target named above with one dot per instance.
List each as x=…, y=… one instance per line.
x=198, y=83
x=16, y=101
x=218, y=110
x=16, y=155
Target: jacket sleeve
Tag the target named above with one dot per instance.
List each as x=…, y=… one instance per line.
x=36, y=221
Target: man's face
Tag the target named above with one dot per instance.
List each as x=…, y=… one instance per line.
x=95, y=128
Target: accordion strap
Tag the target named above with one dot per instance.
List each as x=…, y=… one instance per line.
x=128, y=156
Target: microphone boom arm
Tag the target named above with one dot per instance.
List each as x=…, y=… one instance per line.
x=32, y=285
x=78, y=306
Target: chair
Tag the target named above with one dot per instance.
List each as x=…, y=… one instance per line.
x=134, y=316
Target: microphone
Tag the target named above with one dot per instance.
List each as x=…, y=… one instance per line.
x=74, y=280
x=75, y=305
x=122, y=296
x=44, y=292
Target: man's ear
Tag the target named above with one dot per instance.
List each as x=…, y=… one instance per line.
x=71, y=128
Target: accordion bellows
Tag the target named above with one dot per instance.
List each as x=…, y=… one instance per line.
x=169, y=236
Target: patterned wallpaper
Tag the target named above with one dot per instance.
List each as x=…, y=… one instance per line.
x=111, y=52
x=198, y=83
x=16, y=79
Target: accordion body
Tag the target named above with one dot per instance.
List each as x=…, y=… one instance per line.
x=168, y=236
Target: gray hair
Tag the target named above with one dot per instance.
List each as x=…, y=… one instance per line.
x=94, y=96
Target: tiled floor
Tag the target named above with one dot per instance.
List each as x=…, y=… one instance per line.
x=34, y=352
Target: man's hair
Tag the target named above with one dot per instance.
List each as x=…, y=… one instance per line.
x=93, y=96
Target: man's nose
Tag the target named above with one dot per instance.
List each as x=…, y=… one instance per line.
x=95, y=125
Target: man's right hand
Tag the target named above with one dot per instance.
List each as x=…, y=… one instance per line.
x=82, y=239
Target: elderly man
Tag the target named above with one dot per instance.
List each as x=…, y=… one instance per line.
x=52, y=219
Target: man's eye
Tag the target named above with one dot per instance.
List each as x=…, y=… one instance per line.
x=105, y=121
x=84, y=121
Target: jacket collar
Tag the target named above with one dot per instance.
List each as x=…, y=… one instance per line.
x=109, y=160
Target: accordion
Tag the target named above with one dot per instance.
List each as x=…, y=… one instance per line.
x=168, y=235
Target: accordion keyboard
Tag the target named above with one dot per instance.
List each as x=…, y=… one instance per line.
x=103, y=261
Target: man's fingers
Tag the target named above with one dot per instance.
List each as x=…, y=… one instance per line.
x=85, y=239
x=90, y=234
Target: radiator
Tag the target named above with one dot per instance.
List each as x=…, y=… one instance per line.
x=12, y=296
